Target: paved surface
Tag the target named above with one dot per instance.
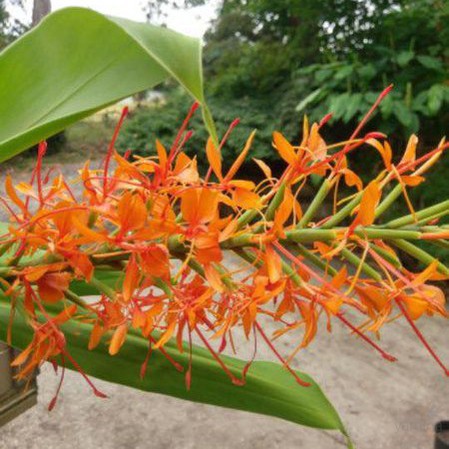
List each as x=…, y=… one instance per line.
x=384, y=405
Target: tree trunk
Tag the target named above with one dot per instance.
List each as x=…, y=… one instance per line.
x=40, y=9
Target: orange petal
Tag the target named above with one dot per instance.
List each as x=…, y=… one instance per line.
x=246, y=199
x=118, y=338
x=285, y=149
x=131, y=281
x=51, y=286
x=264, y=167
x=155, y=262
x=241, y=158
x=199, y=206
x=95, y=336
x=131, y=211
x=273, y=264
x=384, y=150
x=370, y=200
x=410, y=151
x=161, y=153
x=214, y=278
x=413, y=180
x=214, y=157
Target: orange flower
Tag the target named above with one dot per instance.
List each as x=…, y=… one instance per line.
x=148, y=211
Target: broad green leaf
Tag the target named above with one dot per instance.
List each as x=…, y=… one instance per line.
x=323, y=74
x=344, y=72
x=403, y=113
x=269, y=388
x=386, y=106
x=435, y=98
x=430, y=62
x=353, y=106
x=78, y=61
x=404, y=57
x=367, y=71
x=338, y=105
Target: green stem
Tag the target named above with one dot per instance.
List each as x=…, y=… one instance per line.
x=102, y=288
x=388, y=200
x=387, y=234
x=387, y=256
x=311, y=235
x=73, y=297
x=315, y=204
x=343, y=212
x=420, y=254
x=356, y=261
x=275, y=202
x=315, y=259
x=441, y=208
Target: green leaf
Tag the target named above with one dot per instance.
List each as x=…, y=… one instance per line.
x=78, y=61
x=344, y=72
x=386, y=106
x=403, y=113
x=352, y=106
x=435, y=98
x=323, y=74
x=269, y=388
x=430, y=62
x=367, y=71
x=309, y=99
x=404, y=57
x=338, y=105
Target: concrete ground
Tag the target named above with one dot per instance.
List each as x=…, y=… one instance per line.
x=384, y=405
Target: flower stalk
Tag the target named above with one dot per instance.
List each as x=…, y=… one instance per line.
x=137, y=216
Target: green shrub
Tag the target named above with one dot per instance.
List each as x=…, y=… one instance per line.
x=162, y=120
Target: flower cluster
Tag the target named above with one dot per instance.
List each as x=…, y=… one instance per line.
x=168, y=230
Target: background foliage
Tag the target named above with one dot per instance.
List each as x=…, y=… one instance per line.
x=272, y=61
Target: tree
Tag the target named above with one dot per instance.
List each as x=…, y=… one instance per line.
x=157, y=10
x=40, y=9
x=4, y=17
x=10, y=29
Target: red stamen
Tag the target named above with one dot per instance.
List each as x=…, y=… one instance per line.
x=52, y=403
x=111, y=147
x=188, y=377
x=412, y=164
x=375, y=135
x=8, y=207
x=40, y=155
x=325, y=119
x=365, y=119
x=183, y=127
x=384, y=354
x=177, y=365
x=280, y=358
x=143, y=368
x=421, y=336
x=253, y=357
x=231, y=376
x=379, y=99
x=231, y=127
